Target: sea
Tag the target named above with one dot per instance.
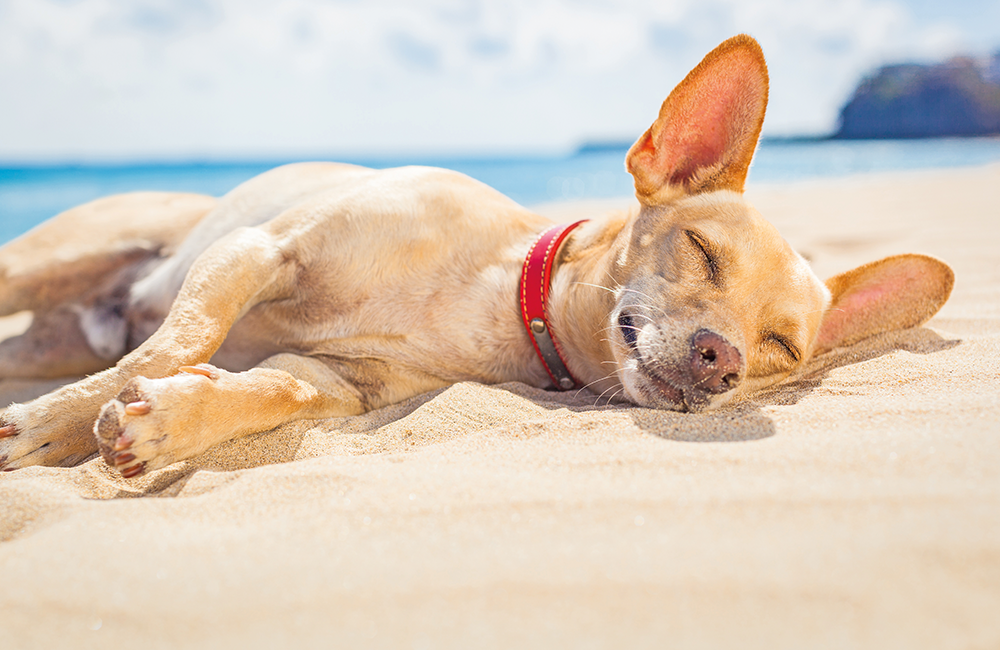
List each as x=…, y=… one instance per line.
x=31, y=193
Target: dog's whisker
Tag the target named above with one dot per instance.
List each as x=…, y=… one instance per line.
x=612, y=397
x=596, y=381
x=618, y=285
x=596, y=286
x=650, y=305
x=598, y=401
x=636, y=291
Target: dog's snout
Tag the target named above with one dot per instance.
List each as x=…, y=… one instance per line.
x=715, y=362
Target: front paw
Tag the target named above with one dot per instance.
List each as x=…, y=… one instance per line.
x=155, y=422
x=114, y=440
x=43, y=432
x=7, y=430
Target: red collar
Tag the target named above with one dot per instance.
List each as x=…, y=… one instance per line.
x=535, y=277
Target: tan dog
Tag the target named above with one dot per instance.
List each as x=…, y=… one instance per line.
x=328, y=290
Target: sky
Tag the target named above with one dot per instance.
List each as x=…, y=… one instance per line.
x=128, y=80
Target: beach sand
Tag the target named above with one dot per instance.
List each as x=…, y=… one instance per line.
x=857, y=506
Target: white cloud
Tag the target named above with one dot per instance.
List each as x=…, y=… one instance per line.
x=94, y=78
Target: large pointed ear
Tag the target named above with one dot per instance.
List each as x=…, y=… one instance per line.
x=891, y=294
x=707, y=130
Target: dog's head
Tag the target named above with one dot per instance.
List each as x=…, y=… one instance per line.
x=710, y=301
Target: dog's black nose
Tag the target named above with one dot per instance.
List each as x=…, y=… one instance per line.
x=715, y=362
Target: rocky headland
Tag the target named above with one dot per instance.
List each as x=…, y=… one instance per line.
x=957, y=98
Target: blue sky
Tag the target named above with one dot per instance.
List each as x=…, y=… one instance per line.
x=155, y=79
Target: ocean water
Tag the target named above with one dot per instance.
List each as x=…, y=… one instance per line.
x=29, y=194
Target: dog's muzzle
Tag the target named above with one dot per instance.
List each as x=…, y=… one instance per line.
x=710, y=366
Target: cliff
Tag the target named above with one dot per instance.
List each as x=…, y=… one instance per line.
x=960, y=97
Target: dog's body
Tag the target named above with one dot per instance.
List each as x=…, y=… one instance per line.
x=321, y=289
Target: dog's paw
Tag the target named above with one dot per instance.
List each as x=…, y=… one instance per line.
x=43, y=433
x=153, y=423
x=8, y=430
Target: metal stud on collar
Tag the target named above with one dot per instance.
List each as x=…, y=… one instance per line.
x=547, y=349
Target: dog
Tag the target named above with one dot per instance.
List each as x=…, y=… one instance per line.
x=320, y=289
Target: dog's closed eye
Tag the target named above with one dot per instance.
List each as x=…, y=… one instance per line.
x=711, y=262
x=784, y=345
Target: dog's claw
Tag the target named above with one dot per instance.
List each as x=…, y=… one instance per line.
x=7, y=431
x=123, y=442
x=134, y=470
x=124, y=459
x=199, y=370
x=138, y=408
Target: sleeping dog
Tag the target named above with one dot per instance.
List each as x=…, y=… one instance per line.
x=320, y=289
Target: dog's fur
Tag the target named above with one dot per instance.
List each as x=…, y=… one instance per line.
x=328, y=289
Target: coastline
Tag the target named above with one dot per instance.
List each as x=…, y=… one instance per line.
x=855, y=506
x=32, y=193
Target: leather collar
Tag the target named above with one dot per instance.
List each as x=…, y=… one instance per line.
x=535, y=278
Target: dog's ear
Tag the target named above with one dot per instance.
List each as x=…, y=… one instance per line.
x=707, y=130
x=891, y=294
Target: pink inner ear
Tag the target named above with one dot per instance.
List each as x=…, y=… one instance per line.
x=868, y=308
x=707, y=122
x=708, y=148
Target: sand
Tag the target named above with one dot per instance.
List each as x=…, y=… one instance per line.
x=855, y=507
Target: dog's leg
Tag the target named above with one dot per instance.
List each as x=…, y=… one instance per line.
x=244, y=268
x=64, y=260
x=155, y=422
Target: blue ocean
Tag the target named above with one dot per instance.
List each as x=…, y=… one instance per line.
x=29, y=194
